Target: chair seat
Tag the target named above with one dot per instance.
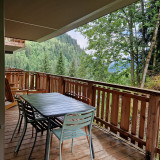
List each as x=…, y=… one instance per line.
x=68, y=134
x=60, y=119
x=38, y=116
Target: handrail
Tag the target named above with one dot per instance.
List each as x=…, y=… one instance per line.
x=129, y=88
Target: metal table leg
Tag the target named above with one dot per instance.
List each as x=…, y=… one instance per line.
x=47, y=147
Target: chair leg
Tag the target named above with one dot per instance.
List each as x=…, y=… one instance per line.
x=90, y=147
x=50, y=136
x=72, y=146
x=21, y=138
x=15, y=128
x=20, y=124
x=60, y=144
x=33, y=146
x=86, y=133
x=61, y=147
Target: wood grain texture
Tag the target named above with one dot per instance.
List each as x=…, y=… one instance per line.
x=107, y=107
x=142, y=121
x=106, y=146
x=125, y=115
x=114, y=111
x=134, y=118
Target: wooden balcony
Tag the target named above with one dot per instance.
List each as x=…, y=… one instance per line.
x=106, y=146
x=12, y=44
x=129, y=114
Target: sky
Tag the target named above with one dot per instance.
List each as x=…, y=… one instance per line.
x=81, y=40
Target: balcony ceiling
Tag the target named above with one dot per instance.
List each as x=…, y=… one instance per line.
x=39, y=20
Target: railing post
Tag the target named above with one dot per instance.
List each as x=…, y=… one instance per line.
x=152, y=127
x=90, y=93
x=61, y=85
x=27, y=80
x=76, y=90
x=37, y=81
x=48, y=83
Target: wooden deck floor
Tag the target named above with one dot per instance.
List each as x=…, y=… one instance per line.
x=106, y=146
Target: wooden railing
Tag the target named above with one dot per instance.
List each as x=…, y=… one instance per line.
x=128, y=112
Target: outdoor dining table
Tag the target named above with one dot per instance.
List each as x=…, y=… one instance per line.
x=52, y=105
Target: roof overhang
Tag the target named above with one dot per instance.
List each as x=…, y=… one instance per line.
x=39, y=20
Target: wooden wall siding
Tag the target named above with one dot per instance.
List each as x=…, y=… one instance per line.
x=127, y=113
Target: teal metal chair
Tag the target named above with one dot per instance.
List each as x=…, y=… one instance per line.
x=72, y=128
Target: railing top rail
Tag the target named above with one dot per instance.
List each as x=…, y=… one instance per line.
x=129, y=88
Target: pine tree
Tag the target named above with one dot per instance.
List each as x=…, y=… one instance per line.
x=60, y=65
x=45, y=64
x=72, y=69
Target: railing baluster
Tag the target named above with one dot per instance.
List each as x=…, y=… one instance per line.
x=114, y=111
x=134, y=118
x=125, y=114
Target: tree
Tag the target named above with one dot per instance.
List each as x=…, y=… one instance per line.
x=153, y=42
x=60, y=65
x=111, y=40
x=72, y=69
x=45, y=67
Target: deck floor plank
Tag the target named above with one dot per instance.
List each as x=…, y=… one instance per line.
x=106, y=146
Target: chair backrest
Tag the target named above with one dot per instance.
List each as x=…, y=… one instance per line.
x=75, y=121
x=8, y=93
x=20, y=104
x=27, y=110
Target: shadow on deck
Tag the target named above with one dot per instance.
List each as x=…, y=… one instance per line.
x=106, y=146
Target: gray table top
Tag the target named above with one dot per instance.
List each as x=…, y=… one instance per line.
x=55, y=104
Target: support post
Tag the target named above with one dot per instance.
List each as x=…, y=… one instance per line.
x=90, y=93
x=152, y=127
x=2, y=81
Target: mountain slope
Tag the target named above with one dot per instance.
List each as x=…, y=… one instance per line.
x=33, y=56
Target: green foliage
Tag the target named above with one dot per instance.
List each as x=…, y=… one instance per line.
x=60, y=65
x=72, y=69
x=118, y=37
x=153, y=82
x=44, y=56
x=45, y=64
x=84, y=67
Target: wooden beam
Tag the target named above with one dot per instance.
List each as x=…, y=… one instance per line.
x=2, y=80
x=15, y=43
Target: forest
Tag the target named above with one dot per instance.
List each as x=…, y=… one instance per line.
x=53, y=56
x=124, y=49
